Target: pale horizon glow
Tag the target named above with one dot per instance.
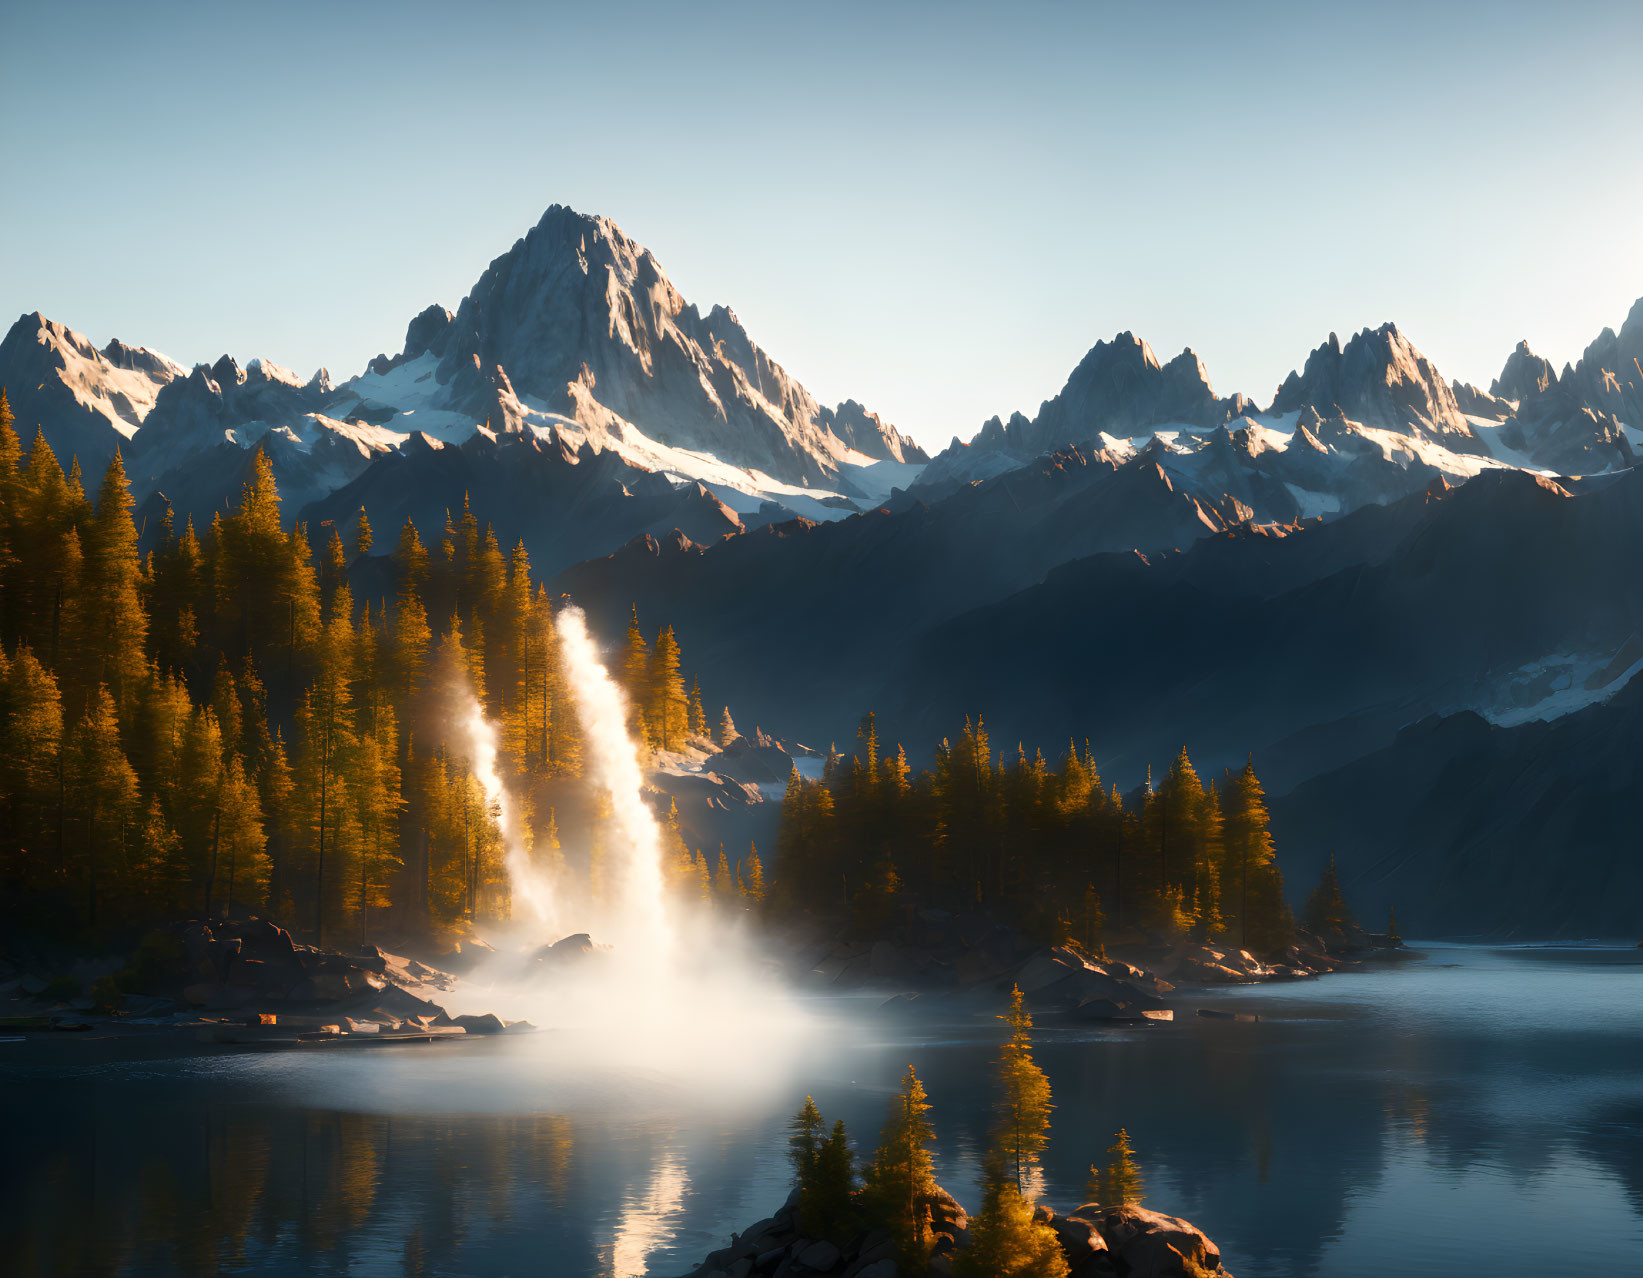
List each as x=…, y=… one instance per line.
x=935, y=210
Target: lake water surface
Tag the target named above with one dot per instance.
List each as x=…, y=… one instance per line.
x=1480, y=1111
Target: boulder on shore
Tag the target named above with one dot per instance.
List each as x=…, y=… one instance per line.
x=1149, y=1244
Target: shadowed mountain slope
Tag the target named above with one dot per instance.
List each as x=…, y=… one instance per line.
x=1466, y=828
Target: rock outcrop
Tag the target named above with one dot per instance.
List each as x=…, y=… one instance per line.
x=1119, y=388
x=1124, y=1242
x=577, y=303
x=1524, y=376
x=87, y=402
x=1379, y=379
x=249, y=983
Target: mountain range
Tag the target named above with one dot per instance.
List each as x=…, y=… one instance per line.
x=1380, y=574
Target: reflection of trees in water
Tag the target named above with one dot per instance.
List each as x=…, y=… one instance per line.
x=1612, y=1140
x=225, y=1187
x=1265, y=1134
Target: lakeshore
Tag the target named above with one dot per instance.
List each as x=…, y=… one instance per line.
x=1396, y=1118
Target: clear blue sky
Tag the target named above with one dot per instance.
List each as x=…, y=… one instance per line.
x=933, y=209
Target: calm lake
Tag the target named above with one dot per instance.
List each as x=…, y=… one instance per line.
x=1480, y=1111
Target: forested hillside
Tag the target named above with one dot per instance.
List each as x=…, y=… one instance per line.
x=1055, y=853
x=220, y=725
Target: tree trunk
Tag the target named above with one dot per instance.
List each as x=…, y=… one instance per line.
x=62, y=848
x=91, y=863
x=1243, y=898
x=211, y=874
x=319, y=879
x=233, y=856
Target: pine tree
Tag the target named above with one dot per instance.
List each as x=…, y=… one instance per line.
x=1007, y=1242
x=1024, y=1099
x=1174, y=822
x=804, y=1142
x=519, y=673
x=242, y=846
x=328, y=739
x=896, y=774
x=632, y=673
x=867, y=752
x=117, y=621
x=1209, y=858
x=1120, y=1182
x=274, y=787
x=43, y=511
x=163, y=711
x=161, y=878
x=1091, y=923
x=267, y=596
x=752, y=876
x=31, y=732
x=901, y=1178
x=335, y=572
x=411, y=561
x=727, y=729
x=410, y=648
x=225, y=704
x=198, y=809
x=376, y=776
x=104, y=788
x=11, y=489
x=724, y=884
x=695, y=715
x=1325, y=912
x=666, y=706
x=177, y=594
x=1253, y=885
x=824, y=1168
x=362, y=535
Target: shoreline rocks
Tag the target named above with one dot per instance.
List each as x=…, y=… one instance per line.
x=936, y=959
x=1123, y=1242
x=249, y=983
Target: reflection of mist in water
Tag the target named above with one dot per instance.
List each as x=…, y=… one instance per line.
x=1343, y=1134
x=644, y=1222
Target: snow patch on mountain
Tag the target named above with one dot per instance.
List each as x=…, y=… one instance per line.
x=1559, y=684
x=85, y=400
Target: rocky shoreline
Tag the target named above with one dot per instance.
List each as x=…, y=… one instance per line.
x=938, y=960
x=245, y=983
x=1128, y=1241
x=249, y=983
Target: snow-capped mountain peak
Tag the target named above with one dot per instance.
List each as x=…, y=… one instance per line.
x=89, y=401
x=1378, y=378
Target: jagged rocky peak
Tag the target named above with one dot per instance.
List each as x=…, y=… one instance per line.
x=1378, y=378
x=1524, y=376
x=870, y=434
x=423, y=335
x=1609, y=375
x=1476, y=403
x=226, y=372
x=86, y=401
x=56, y=345
x=1574, y=422
x=1119, y=388
x=584, y=323
x=139, y=359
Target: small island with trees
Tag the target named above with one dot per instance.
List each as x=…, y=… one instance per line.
x=893, y=1218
